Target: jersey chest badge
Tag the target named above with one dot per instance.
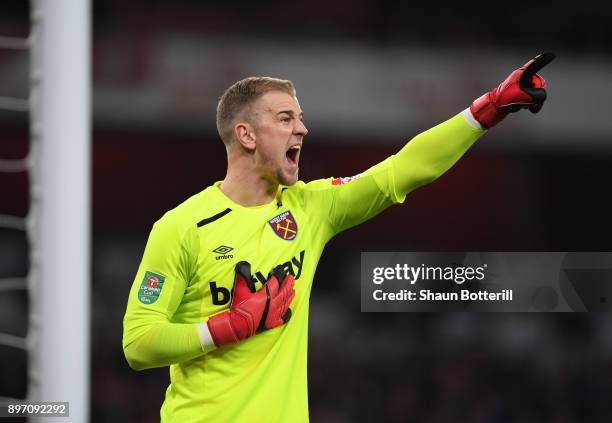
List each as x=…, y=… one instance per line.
x=284, y=225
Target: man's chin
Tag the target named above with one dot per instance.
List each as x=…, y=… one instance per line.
x=288, y=180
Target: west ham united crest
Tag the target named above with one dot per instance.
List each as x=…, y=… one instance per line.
x=284, y=225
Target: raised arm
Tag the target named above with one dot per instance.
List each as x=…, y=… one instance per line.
x=431, y=153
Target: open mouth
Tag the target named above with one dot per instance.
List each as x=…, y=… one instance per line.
x=293, y=154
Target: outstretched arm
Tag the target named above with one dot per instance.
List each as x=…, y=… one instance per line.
x=422, y=160
x=431, y=153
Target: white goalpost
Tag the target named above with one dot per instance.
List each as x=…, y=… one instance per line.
x=58, y=221
x=62, y=155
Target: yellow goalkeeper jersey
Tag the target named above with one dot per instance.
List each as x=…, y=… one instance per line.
x=187, y=272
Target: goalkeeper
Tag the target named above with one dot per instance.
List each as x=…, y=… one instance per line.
x=221, y=295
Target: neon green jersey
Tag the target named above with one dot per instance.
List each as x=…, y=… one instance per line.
x=187, y=272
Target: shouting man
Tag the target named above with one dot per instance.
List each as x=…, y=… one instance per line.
x=221, y=295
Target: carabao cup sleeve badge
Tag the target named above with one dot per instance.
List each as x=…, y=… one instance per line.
x=150, y=287
x=284, y=225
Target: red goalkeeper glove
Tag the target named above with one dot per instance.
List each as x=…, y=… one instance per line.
x=523, y=89
x=253, y=311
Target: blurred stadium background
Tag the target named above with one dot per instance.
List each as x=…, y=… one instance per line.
x=369, y=75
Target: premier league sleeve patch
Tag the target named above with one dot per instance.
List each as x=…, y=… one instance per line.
x=284, y=225
x=150, y=287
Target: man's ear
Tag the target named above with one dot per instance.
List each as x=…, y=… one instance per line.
x=245, y=134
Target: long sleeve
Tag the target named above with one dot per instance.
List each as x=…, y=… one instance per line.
x=163, y=344
x=150, y=337
x=351, y=201
x=431, y=153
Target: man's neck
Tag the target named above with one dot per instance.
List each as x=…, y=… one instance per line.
x=248, y=188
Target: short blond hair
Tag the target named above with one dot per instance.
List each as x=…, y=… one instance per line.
x=238, y=99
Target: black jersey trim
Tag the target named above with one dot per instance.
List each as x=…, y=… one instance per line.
x=213, y=218
x=279, y=203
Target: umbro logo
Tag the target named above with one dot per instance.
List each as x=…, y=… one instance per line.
x=223, y=251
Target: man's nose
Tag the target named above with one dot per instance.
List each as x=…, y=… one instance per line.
x=300, y=128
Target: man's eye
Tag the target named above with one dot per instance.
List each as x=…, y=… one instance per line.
x=285, y=119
